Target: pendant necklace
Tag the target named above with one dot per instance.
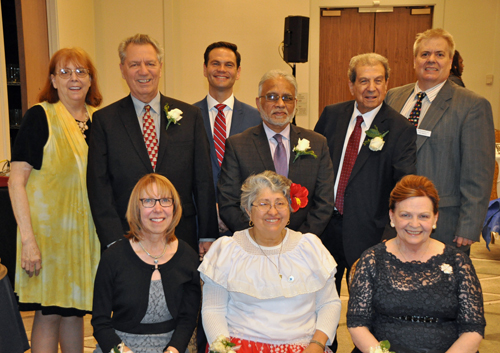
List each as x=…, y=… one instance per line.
x=279, y=255
x=155, y=258
x=82, y=125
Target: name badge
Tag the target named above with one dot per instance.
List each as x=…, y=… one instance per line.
x=426, y=133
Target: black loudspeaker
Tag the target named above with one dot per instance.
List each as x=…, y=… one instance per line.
x=296, y=41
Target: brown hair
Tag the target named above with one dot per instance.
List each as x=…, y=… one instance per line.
x=77, y=56
x=414, y=186
x=164, y=187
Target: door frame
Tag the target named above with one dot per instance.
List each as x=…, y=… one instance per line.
x=314, y=32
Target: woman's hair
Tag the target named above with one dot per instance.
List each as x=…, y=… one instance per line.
x=414, y=186
x=165, y=189
x=256, y=183
x=77, y=57
x=455, y=65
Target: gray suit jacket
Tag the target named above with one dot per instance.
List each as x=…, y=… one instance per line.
x=249, y=153
x=244, y=116
x=458, y=157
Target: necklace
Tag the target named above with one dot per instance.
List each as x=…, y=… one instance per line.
x=279, y=255
x=421, y=256
x=82, y=125
x=155, y=258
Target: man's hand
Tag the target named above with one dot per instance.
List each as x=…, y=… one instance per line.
x=462, y=241
x=203, y=248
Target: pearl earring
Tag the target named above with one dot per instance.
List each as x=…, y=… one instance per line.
x=434, y=226
x=392, y=225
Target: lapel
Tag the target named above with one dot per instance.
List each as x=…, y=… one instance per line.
x=293, y=168
x=261, y=143
x=164, y=136
x=340, y=135
x=435, y=112
x=365, y=152
x=237, y=119
x=128, y=118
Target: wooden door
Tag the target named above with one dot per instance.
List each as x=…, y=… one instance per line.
x=390, y=34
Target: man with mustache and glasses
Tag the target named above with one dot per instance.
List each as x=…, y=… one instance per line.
x=274, y=145
x=456, y=139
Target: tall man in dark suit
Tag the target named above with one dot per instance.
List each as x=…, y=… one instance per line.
x=270, y=146
x=130, y=138
x=223, y=115
x=456, y=138
x=366, y=169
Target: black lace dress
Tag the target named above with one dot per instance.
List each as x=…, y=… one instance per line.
x=445, y=287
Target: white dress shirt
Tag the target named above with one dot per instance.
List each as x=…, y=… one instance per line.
x=430, y=95
x=228, y=112
x=273, y=143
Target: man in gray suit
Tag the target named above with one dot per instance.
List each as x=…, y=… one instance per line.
x=222, y=68
x=455, y=143
x=270, y=146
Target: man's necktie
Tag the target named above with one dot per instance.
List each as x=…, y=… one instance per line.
x=351, y=153
x=415, y=113
x=149, y=133
x=220, y=132
x=280, y=163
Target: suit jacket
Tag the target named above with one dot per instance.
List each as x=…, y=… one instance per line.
x=374, y=175
x=248, y=153
x=118, y=158
x=244, y=116
x=458, y=157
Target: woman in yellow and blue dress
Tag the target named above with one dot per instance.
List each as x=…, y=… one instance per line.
x=57, y=245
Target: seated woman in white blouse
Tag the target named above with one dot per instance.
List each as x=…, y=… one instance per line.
x=269, y=288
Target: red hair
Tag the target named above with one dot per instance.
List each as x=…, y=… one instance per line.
x=414, y=186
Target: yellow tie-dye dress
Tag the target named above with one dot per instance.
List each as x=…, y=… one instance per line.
x=61, y=219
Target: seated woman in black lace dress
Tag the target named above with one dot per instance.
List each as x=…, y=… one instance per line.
x=418, y=293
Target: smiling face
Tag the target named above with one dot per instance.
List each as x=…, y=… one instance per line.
x=142, y=71
x=370, y=87
x=155, y=220
x=432, y=63
x=73, y=89
x=277, y=115
x=221, y=70
x=413, y=219
x=271, y=221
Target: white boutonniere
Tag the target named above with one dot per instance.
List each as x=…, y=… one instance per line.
x=173, y=116
x=377, y=139
x=383, y=347
x=447, y=269
x=303, y=145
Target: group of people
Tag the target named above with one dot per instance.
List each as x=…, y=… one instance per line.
x=276, y=213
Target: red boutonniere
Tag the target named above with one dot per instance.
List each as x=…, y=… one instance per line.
x=298, y=194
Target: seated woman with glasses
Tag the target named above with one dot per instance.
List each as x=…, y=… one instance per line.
x=269, y=288
x=419, y=294
x=147, y=289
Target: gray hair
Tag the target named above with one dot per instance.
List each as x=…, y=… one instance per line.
x=368, y=59
x=271, y=74
x=434, y=33
x=256, y=183
x=140, y=39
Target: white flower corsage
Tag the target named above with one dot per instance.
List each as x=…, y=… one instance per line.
x=173, y=116
x=383, y=347
x=223, y=345
x=117, y=349
x=303, y=145
x=447, y=269
x=377, y=139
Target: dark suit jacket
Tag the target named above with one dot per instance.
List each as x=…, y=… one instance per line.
x=366, y=202
x=244, y=116
x=249, y=153
x=118, y=159
x=459, y=157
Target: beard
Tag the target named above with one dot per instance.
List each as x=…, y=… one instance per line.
x=277, y=122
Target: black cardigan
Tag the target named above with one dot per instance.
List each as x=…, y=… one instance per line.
x=122, y=288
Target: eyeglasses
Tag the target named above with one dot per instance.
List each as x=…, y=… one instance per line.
x=164, y=202
x=266, y=206
x=66, y=73
x=273, y=97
